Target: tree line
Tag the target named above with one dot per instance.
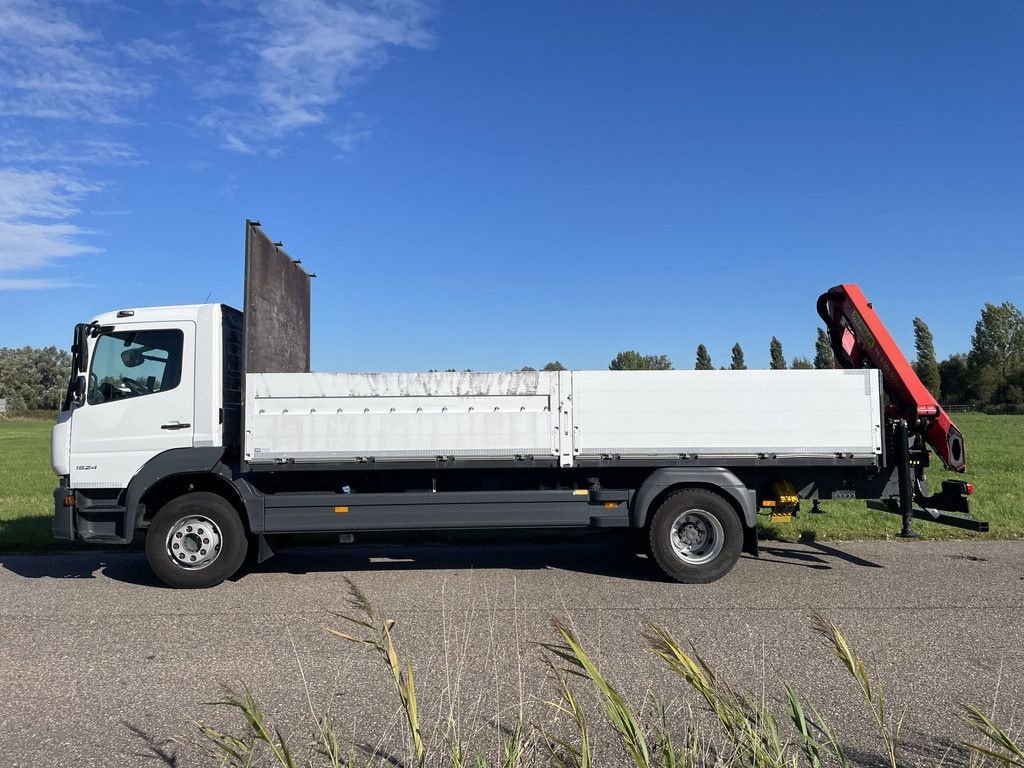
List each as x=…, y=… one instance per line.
x=990, y=375
x=34, y=378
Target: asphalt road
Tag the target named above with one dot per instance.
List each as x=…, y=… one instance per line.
x=101, y=666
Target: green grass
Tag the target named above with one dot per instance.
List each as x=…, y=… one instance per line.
x=995, y=445
x=26, y=484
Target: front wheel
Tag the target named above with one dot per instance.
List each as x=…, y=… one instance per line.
x=695, y=536
x=196, y=540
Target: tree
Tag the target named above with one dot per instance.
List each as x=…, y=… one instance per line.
x=926, y=366
x=631, y=360
x=703, y=359
x=554, y=366
x=526, y=369
x=778, y=360
x=801, y=364
x=34, y=378
x=997, y=353
x=823, y=357
x=738, y=363
x=955, y=380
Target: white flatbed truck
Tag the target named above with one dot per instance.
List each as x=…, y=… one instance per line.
x=204, y=427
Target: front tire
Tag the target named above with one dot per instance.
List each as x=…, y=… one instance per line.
x=196, y=541
x=695, y=536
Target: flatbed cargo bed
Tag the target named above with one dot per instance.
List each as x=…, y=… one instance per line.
x=562, y=417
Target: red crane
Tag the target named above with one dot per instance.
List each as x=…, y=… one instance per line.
x=860, y=340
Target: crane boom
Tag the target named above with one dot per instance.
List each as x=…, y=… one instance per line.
x=859, y=339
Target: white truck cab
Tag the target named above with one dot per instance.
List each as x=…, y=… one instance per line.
x=154, y=382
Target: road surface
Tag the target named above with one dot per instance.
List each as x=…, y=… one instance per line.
x=101, y=666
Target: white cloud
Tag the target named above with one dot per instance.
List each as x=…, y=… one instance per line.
x=66, y=78
x=352, y=135
x=52, y=67
x=25, y=148
x=297, y=59
x=34, y=229
x=39, y=194
x=35, y=283
x=148, y=51
x=30, y=245
x=235, y=144
x=22, y=20
x=67, y=92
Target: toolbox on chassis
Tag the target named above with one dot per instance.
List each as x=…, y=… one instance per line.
x=205, y=428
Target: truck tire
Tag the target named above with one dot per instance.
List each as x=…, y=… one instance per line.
x=695, y=536
x=195, y=541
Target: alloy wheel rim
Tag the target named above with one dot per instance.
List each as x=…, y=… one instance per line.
x=696, y=537
x=194, y=542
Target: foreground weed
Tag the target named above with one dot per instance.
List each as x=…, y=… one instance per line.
x=622, y=717
x=1003, y=750
x=751, y=734
x=381, y=639
x=751, y=730
x=242, y=752
x=686, y=757
x=564, y=753
x=807, y=726
x=872, y=691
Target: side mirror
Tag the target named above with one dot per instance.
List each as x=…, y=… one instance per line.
x=78, y=390
x=81, y=347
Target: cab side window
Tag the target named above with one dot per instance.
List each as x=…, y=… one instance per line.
x=128, y=364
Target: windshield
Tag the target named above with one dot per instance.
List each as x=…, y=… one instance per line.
x=129, y=364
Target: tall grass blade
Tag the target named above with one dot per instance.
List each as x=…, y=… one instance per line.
x=1007, y=752
x=564, y=753
x=513, y=746
x=873, y=694
x=228, y=749
x=243, y=753
x=382, y=641
x=330, y=747
x=670, y=758
x=809, y=746
x=615, y=707
x=750, y=728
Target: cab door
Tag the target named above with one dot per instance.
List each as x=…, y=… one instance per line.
x=139, y=402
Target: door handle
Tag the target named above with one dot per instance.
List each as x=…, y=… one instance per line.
x=175, y=425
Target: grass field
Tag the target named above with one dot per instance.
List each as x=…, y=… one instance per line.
x=995, y=465
x=26, y=484
x=995, y=447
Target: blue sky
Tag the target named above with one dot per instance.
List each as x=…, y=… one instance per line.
x=486, y=186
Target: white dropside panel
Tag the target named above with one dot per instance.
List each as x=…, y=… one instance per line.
x=322, y=416
x=727, y=413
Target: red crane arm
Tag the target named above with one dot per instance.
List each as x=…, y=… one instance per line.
x=860, y=340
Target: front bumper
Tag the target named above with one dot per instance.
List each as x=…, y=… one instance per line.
x=63, y=516
x=96, y=521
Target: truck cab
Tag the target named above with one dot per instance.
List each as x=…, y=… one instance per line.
x=145, y=382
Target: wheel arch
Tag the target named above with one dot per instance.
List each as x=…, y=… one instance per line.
x=663, y=482
x=174, y=473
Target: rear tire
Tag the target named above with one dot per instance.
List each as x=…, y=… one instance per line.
x=695, y=536
x=196, y=541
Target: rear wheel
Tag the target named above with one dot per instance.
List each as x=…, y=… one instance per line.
x=196, y=541
x=695, y=536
